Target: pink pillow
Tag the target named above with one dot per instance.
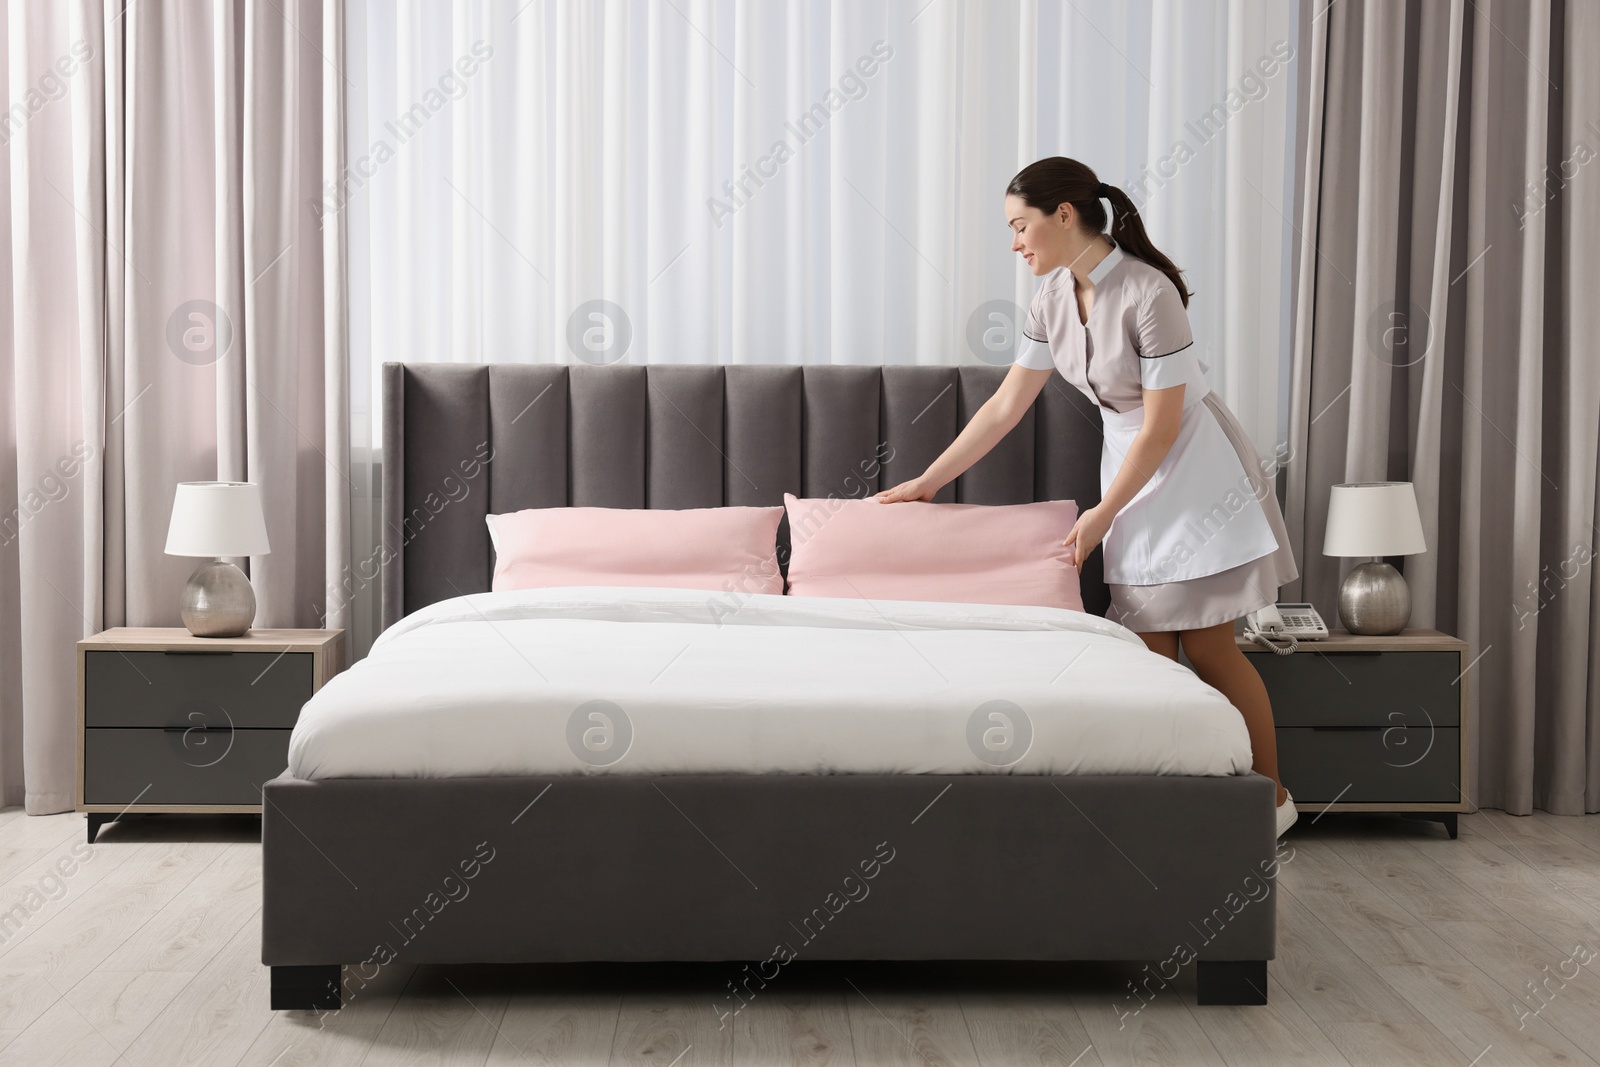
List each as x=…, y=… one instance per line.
x=718, y=549
x=913, y=550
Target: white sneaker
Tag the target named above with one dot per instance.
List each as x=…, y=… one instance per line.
x=1286, y=813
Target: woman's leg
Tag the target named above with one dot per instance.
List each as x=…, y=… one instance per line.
x=1162, y=642
x=1220, y=664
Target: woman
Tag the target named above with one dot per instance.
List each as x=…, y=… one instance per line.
x=1194, y=538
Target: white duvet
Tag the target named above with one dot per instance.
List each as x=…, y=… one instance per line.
x=593, y=679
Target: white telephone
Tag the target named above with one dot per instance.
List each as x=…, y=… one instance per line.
x=1294, y=622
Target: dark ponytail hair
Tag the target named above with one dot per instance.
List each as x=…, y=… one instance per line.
x=1048, y=183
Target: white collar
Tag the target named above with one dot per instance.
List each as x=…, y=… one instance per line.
x=1106, y=265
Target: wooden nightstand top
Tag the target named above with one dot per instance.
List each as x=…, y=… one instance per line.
x=163, y=638
x=1343, y=641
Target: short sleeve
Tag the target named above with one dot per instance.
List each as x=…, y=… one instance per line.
x=1034, y=355
x=1166, y=346
x=1033, y=347
x=1033, y=330
x=1175, y=368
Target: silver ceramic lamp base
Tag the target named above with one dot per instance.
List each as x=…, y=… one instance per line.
x=218, y=601
x=1374, y=600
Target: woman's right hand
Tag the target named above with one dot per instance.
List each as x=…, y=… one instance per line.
x=915, y=489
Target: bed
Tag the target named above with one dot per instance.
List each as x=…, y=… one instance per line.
x=423, y=819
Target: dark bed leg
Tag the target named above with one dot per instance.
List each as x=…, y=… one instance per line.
x=313, y=988
x=98, y=819
x=1231, y=981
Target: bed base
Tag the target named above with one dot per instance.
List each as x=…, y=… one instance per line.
x=765, y=869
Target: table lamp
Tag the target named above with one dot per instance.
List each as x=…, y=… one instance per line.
x=1374, y=519
x=218, y=519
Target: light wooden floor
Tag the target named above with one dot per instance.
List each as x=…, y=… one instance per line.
x=1396, y=946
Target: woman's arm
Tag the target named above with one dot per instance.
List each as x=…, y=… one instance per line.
x=991, y=422
x=1163, y=414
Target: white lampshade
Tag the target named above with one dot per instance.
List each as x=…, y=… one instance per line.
x=217, y=519
x=1373, y=519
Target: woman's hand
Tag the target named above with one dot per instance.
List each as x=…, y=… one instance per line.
x=1087, y=532
x=915, y=489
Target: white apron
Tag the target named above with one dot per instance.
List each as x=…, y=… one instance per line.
x=1197, y=515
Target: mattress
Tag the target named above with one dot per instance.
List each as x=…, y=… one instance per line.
x=650, y=681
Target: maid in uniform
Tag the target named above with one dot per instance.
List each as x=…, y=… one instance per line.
x=1193, y=535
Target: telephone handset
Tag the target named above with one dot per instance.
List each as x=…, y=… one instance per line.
x=1293, y=622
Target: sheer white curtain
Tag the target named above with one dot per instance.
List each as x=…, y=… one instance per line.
x=818, y=181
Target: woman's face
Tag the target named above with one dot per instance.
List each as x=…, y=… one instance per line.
x=1041, y=240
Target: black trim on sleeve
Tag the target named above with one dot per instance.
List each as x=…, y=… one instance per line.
x=1174, y=352
x=1037, y=340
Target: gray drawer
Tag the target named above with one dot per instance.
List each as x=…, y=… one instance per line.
x=1310, y=688
x=1380, y=766
x=181, y=766
x=242, y=689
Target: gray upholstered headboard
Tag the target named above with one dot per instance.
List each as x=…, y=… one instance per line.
x=461, y=441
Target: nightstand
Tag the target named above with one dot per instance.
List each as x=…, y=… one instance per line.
x=1374, y=724
x=170, y=722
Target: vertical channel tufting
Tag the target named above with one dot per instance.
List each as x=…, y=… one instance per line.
x=1066, y=434
x=684, y=454
x=528, y=427
x=447, y=447
x=919, y=421
x=1005, y=475
x=842, y=441
x=392, y=534
x=762, y=440
x=607, y=446
x=1067, y=430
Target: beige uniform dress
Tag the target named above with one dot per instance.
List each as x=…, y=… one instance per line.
x=1203, y=542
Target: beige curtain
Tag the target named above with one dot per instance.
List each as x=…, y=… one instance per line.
x=1447, y=301
x=175, y=314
